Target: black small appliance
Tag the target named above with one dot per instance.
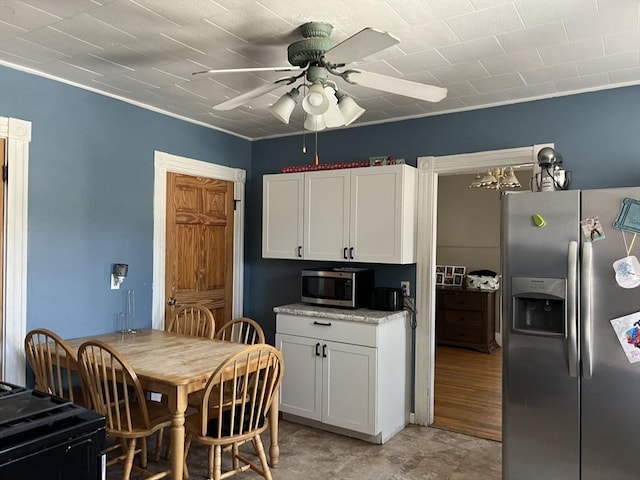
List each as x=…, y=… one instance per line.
x=387, y=299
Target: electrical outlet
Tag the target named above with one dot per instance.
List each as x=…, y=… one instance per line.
x=405, y=285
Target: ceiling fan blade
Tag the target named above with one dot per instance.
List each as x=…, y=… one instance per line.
x=290, y=68
x=359, y=45
x=256, y=92
x=399, y=86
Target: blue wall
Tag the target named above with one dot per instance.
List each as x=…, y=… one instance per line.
x=91, y=183
x=91, y=197
x=597, y=133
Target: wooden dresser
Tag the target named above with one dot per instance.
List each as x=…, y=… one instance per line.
x=466, y=318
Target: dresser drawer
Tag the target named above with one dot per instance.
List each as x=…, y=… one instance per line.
x=462, y=301
x=463, y=317
x=461, y=333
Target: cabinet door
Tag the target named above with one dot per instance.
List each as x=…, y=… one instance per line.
x=383, y=214
x=326, y=215
x=300, y=390
x=282, y=215
x=349, y=383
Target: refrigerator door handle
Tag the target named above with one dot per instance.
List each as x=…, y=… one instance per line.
x=572, y=305
x=585, y=309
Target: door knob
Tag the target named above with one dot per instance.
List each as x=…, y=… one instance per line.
x=171, y=301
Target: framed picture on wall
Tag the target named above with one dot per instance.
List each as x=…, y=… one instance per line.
x=452, y=275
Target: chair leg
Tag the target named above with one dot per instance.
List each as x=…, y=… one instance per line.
x=187, y=445
x=234, y=456
x=128, y=462
x=257, y=445
x=158, y=449
x=143, y=453
x=215, y=462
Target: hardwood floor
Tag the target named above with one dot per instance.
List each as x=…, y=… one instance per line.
x=468, y=392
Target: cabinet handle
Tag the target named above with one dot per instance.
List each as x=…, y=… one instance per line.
x=318, y=349
x=322, y=324
x=351, y=253
x=324, y=351
x=344, y=253
x=300, y=251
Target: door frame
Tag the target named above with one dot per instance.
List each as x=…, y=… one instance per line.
x=14, y=281
x=163, y=164
x=429, y=168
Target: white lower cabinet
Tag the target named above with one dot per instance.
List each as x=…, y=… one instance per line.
x=346, y=374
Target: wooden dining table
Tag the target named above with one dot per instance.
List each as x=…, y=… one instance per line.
x=177, y=365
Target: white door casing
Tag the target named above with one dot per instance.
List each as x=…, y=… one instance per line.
x=428, y=170
x=18, y=135
x=164, y=163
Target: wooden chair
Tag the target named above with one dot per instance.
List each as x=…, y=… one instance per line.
x=54, y=366
x=241, y=330
x=234, y=409
x=116, y=393
x=195, y=320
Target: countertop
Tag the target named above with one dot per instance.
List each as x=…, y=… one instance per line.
x=364, y=315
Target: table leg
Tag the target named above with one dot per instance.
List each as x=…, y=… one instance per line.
x=177, y=407
x=274, y=448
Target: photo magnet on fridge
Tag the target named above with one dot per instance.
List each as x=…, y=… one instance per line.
x=592, y=229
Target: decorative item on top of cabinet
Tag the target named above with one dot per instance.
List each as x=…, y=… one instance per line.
x=466, y=318
x=349, y=215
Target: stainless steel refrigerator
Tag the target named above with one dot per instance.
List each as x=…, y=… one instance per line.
x=571, y=387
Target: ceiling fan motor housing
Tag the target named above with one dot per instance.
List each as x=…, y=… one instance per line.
x=312, y=47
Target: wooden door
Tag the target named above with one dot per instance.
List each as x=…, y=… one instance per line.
x=199, y=255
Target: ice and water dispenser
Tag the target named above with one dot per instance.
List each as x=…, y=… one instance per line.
x=539, y=306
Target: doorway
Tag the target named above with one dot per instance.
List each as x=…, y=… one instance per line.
x=429, y=168
x=163, y=164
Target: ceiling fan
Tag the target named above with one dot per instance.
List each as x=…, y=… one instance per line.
x=312, y=60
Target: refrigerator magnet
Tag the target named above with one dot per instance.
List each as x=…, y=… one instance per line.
x=592, y=229
x=629, y=216
x=627, y=330
x=627, y=271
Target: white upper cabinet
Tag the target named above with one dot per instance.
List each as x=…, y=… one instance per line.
x=356, y=215
x=282, y=214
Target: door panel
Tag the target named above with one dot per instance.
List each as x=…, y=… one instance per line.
x=199, y=258
x=349, y=384
x=610, y=413
x=540, y=430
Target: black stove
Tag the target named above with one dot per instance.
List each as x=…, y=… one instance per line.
x=44, y=436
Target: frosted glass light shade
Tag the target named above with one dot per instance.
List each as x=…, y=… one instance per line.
x=333, y=116
x=283, y=108
x=351, y=111
x=315, y=101
x=315, y=123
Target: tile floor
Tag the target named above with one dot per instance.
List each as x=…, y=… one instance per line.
x=415, y=453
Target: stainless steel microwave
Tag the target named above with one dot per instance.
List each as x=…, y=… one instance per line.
x=345, y=287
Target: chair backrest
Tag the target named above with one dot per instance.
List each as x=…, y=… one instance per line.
x=53, y=364
x=195, y=320
x=241, y=330
x=114, y=388
x=239, y=394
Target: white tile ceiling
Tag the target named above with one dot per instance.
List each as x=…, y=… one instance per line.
x=486, y=52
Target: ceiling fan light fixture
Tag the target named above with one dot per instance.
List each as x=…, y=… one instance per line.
x=283, y=108
x=333, y=116
x=315, y=123
x=315, y=101
x=351, y=111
